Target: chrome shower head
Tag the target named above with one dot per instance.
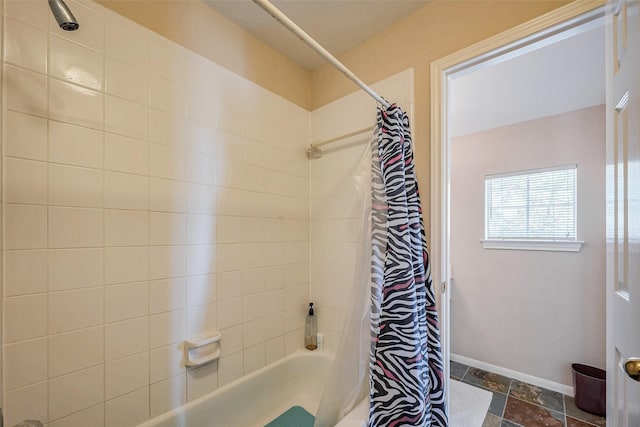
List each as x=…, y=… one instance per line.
x=63, y=15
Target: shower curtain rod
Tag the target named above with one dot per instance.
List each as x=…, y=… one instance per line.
x=295, y=29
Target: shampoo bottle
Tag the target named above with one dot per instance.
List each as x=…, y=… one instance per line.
x=311, y=330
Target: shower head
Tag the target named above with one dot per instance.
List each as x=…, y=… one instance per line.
x=63, y=15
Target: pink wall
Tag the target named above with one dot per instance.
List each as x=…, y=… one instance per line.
x=532, y=312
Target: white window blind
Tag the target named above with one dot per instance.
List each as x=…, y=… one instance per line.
x=531, y=205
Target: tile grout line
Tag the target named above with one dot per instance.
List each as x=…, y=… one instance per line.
x=504, y=409
x=563, y=412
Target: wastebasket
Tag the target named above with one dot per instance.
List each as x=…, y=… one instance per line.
x=590, y=385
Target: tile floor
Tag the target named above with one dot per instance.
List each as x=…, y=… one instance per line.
x=518, y=404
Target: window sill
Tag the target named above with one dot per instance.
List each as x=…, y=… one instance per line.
x=534, y=245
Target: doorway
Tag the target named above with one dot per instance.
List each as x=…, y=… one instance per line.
x=549, y=29
x=527, y=188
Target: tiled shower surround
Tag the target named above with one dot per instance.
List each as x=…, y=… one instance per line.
x=150, y=196
x=337, y=196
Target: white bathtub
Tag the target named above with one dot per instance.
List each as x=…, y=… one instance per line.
x=258, y=398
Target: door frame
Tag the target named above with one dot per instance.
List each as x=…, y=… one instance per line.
x=544, y=28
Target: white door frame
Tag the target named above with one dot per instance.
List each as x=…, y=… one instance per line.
x=496, y=48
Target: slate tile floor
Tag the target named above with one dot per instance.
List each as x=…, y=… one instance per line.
x=518, y=404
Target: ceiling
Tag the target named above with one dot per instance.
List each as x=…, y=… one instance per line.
x=564, y=76
x=338, y=25
x=563, y=73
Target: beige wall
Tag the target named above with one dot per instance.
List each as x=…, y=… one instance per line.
x=534, y=312
x=436, y=30
x=202, y=30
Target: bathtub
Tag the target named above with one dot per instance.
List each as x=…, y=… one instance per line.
x=258, y=398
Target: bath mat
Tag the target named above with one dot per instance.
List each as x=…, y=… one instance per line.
x=468, y=405
x=295, y=416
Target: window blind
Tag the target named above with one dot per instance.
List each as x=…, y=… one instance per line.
x=531, y=205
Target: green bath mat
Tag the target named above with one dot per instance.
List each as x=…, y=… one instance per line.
x=295, y=416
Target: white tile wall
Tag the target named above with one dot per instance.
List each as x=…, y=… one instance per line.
x=150, y=196
x=26, y=136
x=26, y=181
x=126, y=338
x=75, y=350
x=26, y=272
x=28, y=402
x=75, y=227
x=201, y=380
x=124, y=154
x=127, y=301
x=230, y=368
x=25, y=45
x=127, y=374
x=168, y=394
x=94, y=416
x=26, y=227
x=75, y=104
x=74, y=145
x=75, y=268
x=126, y=264
x=167, y=295
x=75, y=64
x=165, y=362
x=128, y=410
x=76, y=391
x=25, y=91
x=76, y=309
x=26, y=317
x=30, y=361
x=201, y=289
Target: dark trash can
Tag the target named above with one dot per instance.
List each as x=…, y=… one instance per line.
x=590, y=385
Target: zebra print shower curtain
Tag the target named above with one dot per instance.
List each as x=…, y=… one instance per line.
x=406, y=367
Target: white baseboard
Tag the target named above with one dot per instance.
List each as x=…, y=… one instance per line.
x=540, y=382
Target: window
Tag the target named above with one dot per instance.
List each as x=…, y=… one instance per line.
x=531, y=210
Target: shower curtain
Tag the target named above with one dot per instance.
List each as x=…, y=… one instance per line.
x=348, y=384
x=406, y=367
x=389, y=350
